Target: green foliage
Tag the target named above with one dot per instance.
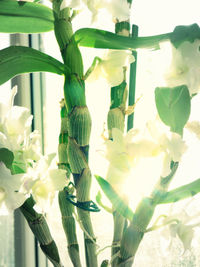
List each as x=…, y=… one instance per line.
x=173, y=105
x=118, y=204
x=25, y=17
x=103, y=39
x=185, y=33
x=18, y=59
x=180, y=193
x=7, y=157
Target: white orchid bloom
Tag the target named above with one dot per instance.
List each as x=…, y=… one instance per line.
x=124, y=151
x=14, y=123
x=180, y=225
x=171, y=144
x=32, y=149
x=185, y=66
x=111, y=66
x=11, y=194
x=43, y=181
x=119, y=9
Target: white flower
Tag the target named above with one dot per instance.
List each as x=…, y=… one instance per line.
x=43, y=181
x=111, y=66
x=14, y=123
x=10, y=189
x=119, y=9
x=32, y=149
x=170, y=144
x=185, y=66
x=124, y=151
x=180, y=226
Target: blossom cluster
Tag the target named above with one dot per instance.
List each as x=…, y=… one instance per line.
x=120, y=9
x=31, y=172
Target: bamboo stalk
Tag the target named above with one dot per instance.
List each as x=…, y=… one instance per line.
x=79, y=122
x=116, y=119
x=66, y=208
x=134, y=233
x=41, y=231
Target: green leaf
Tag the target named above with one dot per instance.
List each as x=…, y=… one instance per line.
x=116, y=201
x=25, y=17
x=15, y=60
x=173, y=105
x=185, y=33
x=103, y=39
x=7, y=157
x=180, y=193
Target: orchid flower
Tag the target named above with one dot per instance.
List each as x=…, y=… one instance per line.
x=124, y=151
x=14, y=123
x=181, y=227
x=119, y=9
x=185, y=66
x=11, y=189
x=111, y=66
x=43, y=180
x=171, y=144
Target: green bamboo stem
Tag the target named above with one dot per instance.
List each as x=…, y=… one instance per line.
x=41, y=231
x=69, y=226
x=132, y=81
x=66, y=208
x=79, y=123
x=116, y=119
x=134, y=233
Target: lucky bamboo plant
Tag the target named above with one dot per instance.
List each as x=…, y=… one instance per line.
x=29, y=181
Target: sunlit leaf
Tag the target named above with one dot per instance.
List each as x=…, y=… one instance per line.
x=96, y=38
x=15, y=60
x=25, y=17
x=114, y=198
x=173, y=105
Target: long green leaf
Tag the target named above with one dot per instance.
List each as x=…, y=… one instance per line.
x=15, y=60
x=116, y=201
x=90, y=37
x=25, y=17
x=180, y=193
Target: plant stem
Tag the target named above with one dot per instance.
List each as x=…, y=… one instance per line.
x=66, y=208
x=41, y=231
x=134, y=233
x=116, y=119
x=79, y=123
